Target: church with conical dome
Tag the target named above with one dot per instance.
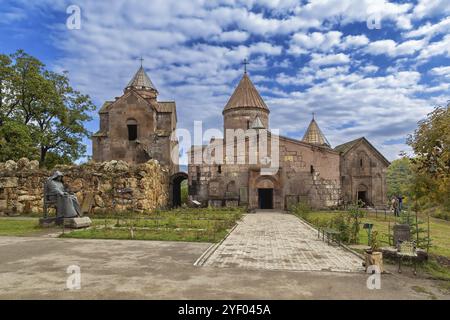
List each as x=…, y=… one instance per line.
x=136, y=127
x=286, y=171
x=252, y=165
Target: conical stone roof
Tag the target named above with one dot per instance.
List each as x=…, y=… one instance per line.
x=314, y=135
x=141, y=81
x=245, y=96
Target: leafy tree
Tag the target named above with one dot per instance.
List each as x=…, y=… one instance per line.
x=6, y=76
x=15, y=141
x=41, y=105
x=58, y=119
x=399, y=178
x=25, y=88
x=431, y=164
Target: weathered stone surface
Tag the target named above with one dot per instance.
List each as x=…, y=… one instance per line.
x=391, y=253
x=22, y=190
x=139, y=108
x=8, y=182
x=3, y=205
x=278, y=241
x=27, y=198
x=23, y=163
x=10, y=165
x=47, y=222
x=307, y=171
x=33, y=165
x=77, y=223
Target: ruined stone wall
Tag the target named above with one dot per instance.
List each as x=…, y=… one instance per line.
x=108, y=187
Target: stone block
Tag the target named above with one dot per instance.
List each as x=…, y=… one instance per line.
x=48, y=222
x=3, y=205
x=231, y=203
x=77, y=223
x=9, y=182
x=27, y=198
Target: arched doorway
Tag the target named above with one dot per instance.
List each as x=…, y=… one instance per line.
x=176, y=188
x=265, y=189
x=363, y=194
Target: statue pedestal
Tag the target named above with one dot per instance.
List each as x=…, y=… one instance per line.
x=73, y=223
x=77, y=223
x=48, y=222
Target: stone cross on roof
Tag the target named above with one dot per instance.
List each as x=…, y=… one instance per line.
x=245, y=63
x=142, y=60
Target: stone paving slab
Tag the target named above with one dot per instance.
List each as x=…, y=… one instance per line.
x=280, y=241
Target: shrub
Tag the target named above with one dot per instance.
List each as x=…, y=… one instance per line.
x=354, y=215
x=301, y=209
x=341, y=224
x=348, y=224
x=375, y=243
x=442, y=215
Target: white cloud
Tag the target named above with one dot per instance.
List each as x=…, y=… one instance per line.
x=350, y=106
x=429, y=30
x=436, y=48
x=193, y=52
x=391, y=48
x=354, y=41
x=232, y=36
x=429, y=8
x=441, y=71
x=302, y=43
x=369, y=69
x=348, y=11
x=318, y=60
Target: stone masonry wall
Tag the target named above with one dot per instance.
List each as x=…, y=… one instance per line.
x=109, y=187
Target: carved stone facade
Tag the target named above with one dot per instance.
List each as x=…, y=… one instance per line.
x=309, y=169
x=136, y=127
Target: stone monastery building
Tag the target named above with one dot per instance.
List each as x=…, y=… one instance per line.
x=136, y=127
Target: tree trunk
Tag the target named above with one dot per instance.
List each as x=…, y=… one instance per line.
x=42, y=156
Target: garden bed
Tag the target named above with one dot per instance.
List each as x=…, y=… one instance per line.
x=197, y=225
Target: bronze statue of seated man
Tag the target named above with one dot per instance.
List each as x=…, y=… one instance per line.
x=67, y=205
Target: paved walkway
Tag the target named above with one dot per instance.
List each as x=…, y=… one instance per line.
x=279, y=241
x=36, y=268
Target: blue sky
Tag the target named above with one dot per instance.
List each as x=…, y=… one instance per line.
x=305, y=56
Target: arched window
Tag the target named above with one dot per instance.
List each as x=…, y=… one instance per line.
x=132, y=130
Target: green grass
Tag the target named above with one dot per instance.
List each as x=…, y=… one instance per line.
x=196, y=225
x=439, y=233
x=150, y=234
x=18, y=227
x=439, y=229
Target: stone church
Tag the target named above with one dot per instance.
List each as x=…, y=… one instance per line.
x=309, y=170
x=136, y=127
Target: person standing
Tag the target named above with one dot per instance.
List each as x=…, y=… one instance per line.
x=400, y=203
x=394, y=204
